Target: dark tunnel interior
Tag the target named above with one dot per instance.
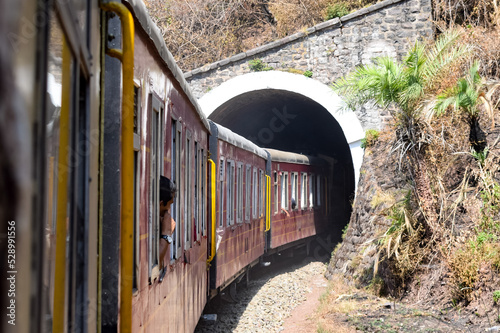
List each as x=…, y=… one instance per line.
x=289, y=121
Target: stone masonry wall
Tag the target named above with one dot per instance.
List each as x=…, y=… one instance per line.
x=333, y=48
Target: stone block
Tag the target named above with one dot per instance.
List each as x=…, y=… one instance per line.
x=338, y=40
x=395, y=11
x=366, y=30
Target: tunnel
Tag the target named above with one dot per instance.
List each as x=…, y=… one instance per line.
x=276, y=116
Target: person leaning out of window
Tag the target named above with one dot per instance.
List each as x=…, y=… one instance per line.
x=167, y=223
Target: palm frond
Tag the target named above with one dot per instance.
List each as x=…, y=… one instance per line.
x=379, y=82
x=444, y=54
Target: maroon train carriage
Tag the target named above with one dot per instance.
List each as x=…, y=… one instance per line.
x=241, y=187
x=170, y=139
x=95, y=229
x=299, y=203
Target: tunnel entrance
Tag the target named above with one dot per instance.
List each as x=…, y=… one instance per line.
x=292, y=121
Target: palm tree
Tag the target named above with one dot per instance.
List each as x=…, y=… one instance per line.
x=466, y=97
x=405, y=88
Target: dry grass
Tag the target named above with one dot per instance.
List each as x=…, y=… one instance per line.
x=382, y=198
x=292, y=15
x=482, y=13
x=198, y=32
x=337, y=300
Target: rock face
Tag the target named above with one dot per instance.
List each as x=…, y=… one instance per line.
x=381, y=184
x=469, y=205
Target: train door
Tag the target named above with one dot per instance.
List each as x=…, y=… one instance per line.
x=63, y=151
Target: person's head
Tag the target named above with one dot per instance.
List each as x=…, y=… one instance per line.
x=167, y=191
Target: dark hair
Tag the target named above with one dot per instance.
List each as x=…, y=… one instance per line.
x=167, y=189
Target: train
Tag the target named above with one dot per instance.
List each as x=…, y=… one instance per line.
x=96, y=112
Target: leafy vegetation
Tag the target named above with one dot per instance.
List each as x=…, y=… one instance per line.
x=370, y=138
x=257, y=65
x=338, y=9
x=466, y=97
x=405, y=89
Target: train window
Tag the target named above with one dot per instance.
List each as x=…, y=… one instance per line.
x=248, y=194
x=187, y=191
x=156, y=156
x=262, y=193
x=137, y=103
x=311, y=190
x=230, y=192
x=303, y=191
x=196, y=205
x=221, y=191
x=284, y=190
x=176, y=176
x=255, y=201
x=295, y=179
x=239, y=193
x=275, y=175
x=203, y=175
x=318, y=190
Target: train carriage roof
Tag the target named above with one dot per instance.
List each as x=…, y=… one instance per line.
x=140, y=12
x=289, y=157
x=237, y=140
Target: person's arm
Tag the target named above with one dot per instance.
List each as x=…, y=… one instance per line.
x=167, y=228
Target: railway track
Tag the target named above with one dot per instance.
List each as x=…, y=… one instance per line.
x=271, y=295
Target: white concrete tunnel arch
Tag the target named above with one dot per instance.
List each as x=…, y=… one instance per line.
x=313, y=89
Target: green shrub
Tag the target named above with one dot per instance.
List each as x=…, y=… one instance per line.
x=344, y=231
x=257, y=65
x=496, y=297
x=336, y=10
x=308, y=74
x=370, y=138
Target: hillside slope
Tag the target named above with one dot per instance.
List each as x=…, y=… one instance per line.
x=456, y=271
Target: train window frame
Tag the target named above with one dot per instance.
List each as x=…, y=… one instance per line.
x=137, y=192
x=157, y=107
x=239, y=192
x=303, y=191
x=53, y=165
x=196, y=193
x=318, y=190
x=284, y=190
x=203, y=192
x=188, y=222
x=254, y=193
x=176, y=146
x=276, y=191
x=230, y=187
x=77, y=39
x=248, y=192
x=222, y=190
x=312, y=189
x=262, y=193
x=294, y=189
